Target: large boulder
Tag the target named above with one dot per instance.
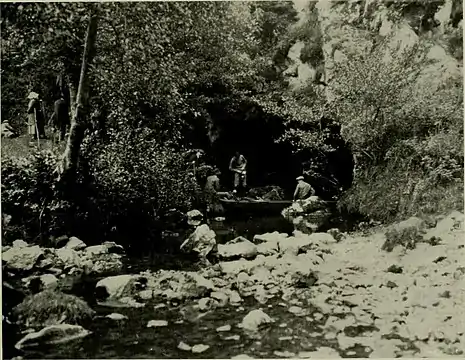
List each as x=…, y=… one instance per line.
x=22, y=258
x=117, y=287
x=51, y=335
x=313, y=203
x=239, y=247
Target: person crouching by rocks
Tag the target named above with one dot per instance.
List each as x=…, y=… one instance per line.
x=202, y=242
x=36, y=121
x=60, y=118
x=7, y=130
x=303, y=190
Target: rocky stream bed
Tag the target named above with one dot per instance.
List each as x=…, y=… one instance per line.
x=271, y=295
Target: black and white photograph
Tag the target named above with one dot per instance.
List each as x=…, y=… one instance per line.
x=232, y=179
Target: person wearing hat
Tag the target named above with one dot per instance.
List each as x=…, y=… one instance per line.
x=303, y=189
x=35, y=123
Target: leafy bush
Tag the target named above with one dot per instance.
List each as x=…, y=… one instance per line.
x=31, y=196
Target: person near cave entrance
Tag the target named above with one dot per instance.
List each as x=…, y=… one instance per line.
x=238, y=166
x=303, y=190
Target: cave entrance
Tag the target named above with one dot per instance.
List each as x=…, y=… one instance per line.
x=254, y=135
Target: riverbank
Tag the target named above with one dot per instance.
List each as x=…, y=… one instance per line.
x=293, y=296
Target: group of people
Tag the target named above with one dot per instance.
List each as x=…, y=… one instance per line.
x=59, y=120
x=238, y=166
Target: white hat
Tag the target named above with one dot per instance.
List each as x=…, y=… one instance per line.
x=33, y=95
x=299, y=178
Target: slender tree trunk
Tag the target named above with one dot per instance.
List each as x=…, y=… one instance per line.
x=78, y=121
x=72, y=98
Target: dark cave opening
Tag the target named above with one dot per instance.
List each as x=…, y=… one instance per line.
x=254, y=133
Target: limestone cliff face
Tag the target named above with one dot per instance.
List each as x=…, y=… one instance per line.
x=354, y=27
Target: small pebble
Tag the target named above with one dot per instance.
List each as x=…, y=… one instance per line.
x=159, y=306
x=284, y=338
x=179, y=322
x=183, y=346
x=224, y=328
x=233, y=337
x=157, y=323
x=330, y=336
x=199, y=348
x=116, y=316
x=318, y=316
x=284, y=354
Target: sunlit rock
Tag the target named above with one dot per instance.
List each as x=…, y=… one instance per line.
x=239, y=247
x=51, y=335
x=255, y=319
x=22, y=258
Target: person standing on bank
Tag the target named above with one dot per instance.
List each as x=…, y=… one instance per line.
x=36, y=121
x=238, y=166
x=303, y=190
x=60, y=117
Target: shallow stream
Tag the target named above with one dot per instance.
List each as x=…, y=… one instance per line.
x=131, y=338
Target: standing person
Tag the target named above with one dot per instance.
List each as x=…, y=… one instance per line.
x=60, y=117
x=212, y=187
x=303, y=189
x=238, y=166
x=36, y=119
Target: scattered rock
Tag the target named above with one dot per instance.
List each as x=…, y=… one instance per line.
x=51, y=335
x=96, y=250
x=75, y=244
x=233, y=337
x=116, y=287
x=199, y=348
x=395, y=269
x=239, y=247
x=224, y=328
x=206, y=304
x=221, y=297
x=146, y=294
x=22, y=258
x=157, y=323
x=254, y=319
x=116, y=316
x=284, y=354
x=296, y=310
x=183, y=346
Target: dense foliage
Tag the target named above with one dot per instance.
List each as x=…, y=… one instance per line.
x=171, y=76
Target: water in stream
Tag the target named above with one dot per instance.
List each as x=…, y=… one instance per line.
x=131, y=338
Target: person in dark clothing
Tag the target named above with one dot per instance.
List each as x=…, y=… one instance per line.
x=60, y=117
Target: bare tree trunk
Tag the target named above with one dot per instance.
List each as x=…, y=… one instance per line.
x=78, y=121
x=72, y=98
